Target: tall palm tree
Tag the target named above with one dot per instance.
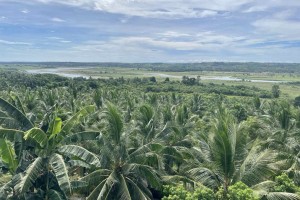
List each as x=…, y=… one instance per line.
x=227, y=156
x=284, y=137
x=122, y=174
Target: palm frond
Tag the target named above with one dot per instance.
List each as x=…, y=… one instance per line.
x=137, y=191
x=206, y=176
x=258, y=166
x=123, y=188
x=108, y=185
x=145, y=172
x=53, y=194
x=95, y=193
x=282, y=196
x=96, y=176
x=114, y=122
x=177, y=179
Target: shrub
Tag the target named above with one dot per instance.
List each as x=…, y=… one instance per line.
x=240, y=191
x=285, y=184
x=180, y=193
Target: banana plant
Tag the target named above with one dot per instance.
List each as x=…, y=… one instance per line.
x=8, y=155
x=48, y=171
x=13, y=122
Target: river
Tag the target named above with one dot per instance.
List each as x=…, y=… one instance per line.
x=64, y=72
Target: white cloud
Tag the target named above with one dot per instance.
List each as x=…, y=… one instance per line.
x=159, y=8
x=54, y=38
x=255, y=9
x=279, y=28
x=124, y=20
x=58, y=39
x=174, y=34
x=25, y=11
x=13, y=42
x=65, y=41
x=205, y=41
x=175, y=8
x=219, y=28
x=285, y=14
x=56, y=19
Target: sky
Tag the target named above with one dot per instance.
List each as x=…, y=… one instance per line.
x=150, y=30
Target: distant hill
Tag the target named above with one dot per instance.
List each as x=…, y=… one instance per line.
x=173, y=67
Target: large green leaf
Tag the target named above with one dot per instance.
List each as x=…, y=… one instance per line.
x=75, y=119
x=17, y=101
x=56, y=127
x=81, y=153
x=25, y=181
x=79, y=163
x=8, y=155
x=61, y=172
x=16, y=114
x=9, y=134
x=38, y=135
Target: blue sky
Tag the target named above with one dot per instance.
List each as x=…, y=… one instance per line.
x=150, y=30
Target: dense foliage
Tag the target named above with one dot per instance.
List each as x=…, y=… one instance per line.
x=142, y=139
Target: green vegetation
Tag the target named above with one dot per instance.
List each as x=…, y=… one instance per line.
x=259, y=75
x=146, y=138
x=251, y=67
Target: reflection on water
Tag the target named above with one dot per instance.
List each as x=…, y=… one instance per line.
x=219, y=78
x=57, y=71
x=228, y=78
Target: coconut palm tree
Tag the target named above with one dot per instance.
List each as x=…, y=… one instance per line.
x=122, y=174
x=227, y=156
x=284, y=137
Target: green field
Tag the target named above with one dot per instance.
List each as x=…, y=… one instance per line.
x=288, y=90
